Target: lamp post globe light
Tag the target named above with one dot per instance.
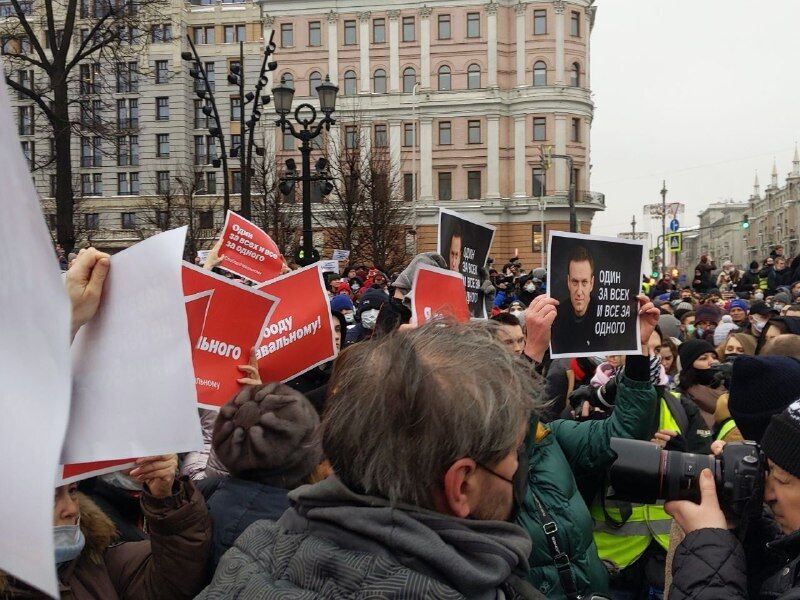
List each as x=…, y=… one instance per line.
x=245, y=149
x=305, y=115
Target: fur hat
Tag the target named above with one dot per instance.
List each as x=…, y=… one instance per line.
x=268, y=433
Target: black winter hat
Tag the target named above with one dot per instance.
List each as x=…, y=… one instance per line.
x=691, y=350
x=759, y=307
x=761, y=386
x=781, y=442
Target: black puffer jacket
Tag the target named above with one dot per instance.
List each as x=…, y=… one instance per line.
x=710, y=564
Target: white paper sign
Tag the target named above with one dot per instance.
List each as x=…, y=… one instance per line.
x=341, y=254
x=133, y=382
x=34, y=369
x=329, y=266
x=202, y=255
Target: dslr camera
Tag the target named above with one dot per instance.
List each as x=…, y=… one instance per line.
x=644, y=473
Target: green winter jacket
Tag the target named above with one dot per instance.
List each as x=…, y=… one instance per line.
x=561, y=451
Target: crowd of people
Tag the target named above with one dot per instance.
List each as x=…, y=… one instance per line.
x=458, y=460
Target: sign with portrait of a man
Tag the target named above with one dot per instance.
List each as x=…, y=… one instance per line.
x=464, y=244
x=596, y=281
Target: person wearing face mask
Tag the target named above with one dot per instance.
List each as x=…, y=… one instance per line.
x=517, y=310
x=758, y=317
x=93, y=564
x=366, y=316
x=117, y=495
x=686, y=317
x=419, y=506
x=697, y=381
x=706, y=319
x=780, y=301
x=529, y=289
x=343, y=305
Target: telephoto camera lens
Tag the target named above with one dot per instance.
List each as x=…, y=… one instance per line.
x=644, y=473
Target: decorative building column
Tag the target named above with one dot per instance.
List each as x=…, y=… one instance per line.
x=333, y=47
x=559, y=6
x=266, y=31
x=394, y=50
x=363, y=49
x=587, y=63
x=335, y=144
x=394, y=143
x=519, y=156
x=426, y=158
x=559, y=164
x=520, y=10
x=425, y=47
x=491, y=26
x=365, y=144
x=493, y=156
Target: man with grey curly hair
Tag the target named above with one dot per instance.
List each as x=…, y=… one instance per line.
x=429, y=466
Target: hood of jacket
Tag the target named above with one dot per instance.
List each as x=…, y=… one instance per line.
x=474, y=557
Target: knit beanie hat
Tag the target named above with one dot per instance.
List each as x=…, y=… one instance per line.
x=341, y=302
x=691, y=350
x=761, y=386
x=782, y=297
x=781, y=442
x=723, y=329
x=683, y=305
x=706, y=312
x=406, y=278
x=670, y=326
x=268, y=434
x=738, y=303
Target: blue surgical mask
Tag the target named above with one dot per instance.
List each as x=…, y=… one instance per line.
x=699, y=331
x=350, y=318
x=68, y=541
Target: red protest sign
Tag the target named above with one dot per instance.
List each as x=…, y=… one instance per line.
x=80, y=471
x=299, y=335
x=436, y=293
x=225, y=321
x=248, y=251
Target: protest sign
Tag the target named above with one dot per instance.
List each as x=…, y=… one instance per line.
x=438, y=293
x=34, y=369
x=596, y=281
x=202, y=255
x=299, y=336
x=225, y=321
x=248, y=251
x=464, y=244
x=80, y=471
x=329, y=266
x=133, y=390
x=341, y=254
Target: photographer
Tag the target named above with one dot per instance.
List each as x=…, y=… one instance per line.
x=710, y=562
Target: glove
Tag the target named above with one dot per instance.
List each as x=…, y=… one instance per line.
x=602, y=397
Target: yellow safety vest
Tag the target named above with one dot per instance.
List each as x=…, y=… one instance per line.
x=622, y=546
x=725, y=429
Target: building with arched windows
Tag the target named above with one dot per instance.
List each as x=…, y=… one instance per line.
x=470, y=93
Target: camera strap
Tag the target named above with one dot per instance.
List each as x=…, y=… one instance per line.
x=560, y=557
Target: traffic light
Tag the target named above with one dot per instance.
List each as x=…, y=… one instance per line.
x=746, y=222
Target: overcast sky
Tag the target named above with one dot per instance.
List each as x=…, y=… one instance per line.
x=701, y=93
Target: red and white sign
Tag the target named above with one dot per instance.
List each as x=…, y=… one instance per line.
x=80, y=471
x=225, y=321
x=438, y=293
x=299, y=335
x=248, y=251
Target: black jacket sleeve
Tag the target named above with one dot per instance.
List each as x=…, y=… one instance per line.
x=709, y=565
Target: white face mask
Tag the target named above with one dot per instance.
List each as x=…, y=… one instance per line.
x=759, y=296
x=349, y=318
x=530, y=288
x=759, y=325
x=68, y=541
x=355, y=287
x=369, y=318
x=520, y=315
x=779, y=307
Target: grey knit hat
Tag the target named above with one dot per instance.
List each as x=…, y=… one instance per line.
x=406, y=278
x=268, y=433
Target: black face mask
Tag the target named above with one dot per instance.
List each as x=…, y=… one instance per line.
x=706, y=377
x=519, y=482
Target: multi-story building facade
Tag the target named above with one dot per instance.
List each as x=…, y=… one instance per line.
x=466, y=95
x=487, y=84
x=775, y=215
